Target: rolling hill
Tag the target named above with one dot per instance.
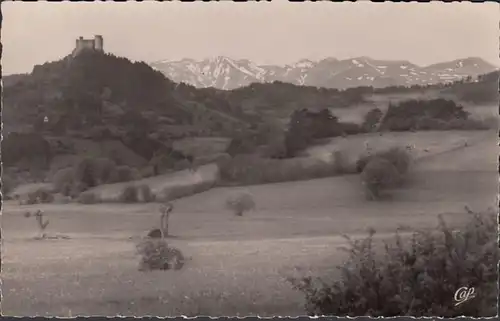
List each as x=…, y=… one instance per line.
x=102, y=100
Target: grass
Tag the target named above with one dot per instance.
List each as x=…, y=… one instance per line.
x=239, y=264
x=426, y=143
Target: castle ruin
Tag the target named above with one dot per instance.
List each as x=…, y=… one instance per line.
x=96, y=44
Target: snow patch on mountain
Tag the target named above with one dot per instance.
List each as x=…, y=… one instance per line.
x=226, y=73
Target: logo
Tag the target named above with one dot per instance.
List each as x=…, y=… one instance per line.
x=464, y=294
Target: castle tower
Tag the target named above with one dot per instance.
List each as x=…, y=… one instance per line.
x=88, y=44
x=98, y=43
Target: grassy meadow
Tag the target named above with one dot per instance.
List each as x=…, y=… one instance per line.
x=237, y=265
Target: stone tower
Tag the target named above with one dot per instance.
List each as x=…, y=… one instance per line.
x=96, y=44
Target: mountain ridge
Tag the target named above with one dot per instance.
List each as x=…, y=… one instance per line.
x=226, y=73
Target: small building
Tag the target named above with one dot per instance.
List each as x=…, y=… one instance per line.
x=96, y=44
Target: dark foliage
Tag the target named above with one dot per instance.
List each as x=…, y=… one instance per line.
x=155, y=233
x=485, y=90
x=372, y=119
x=130, y=194
x=19, y=146
x=397, y=156
x=41, y=195
x=306, y=125
x=157, y=255
x=415, y=276
x=378, y=176
x=408, y=115
x=7, y=184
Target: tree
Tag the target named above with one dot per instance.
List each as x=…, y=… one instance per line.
x=379, y=175
x=41, y=223
x=240, y=203
x=371, y=119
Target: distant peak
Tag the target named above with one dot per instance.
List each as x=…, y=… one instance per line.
x=329, y=59
x=362, y=58
x=219, y=59
x=303, y=63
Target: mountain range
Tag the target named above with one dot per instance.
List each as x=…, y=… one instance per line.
x=226, y=73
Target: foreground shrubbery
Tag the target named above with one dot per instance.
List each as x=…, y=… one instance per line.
x=417, y=276
x=156, y=254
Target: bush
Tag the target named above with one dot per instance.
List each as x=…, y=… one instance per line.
x=130, y=194
x=87, y=173
x=398, y=156
x=41, y=195
x=147, y=195
x=240, y=203
x=125, y=173
x=372, y=119
x=378, y=176
x=248, y=170
x=157, y=255
x=88, y=198
x=417, y=276
x=414, y=114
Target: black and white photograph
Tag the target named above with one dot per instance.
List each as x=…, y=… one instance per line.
x=266, y=159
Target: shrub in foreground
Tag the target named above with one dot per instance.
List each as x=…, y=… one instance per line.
x=240, y=203
x=157, y=255
x=414, y=276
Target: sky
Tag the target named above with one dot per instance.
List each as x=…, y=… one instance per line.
x=275, y=32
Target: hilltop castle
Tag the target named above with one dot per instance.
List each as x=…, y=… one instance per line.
x=96, y=44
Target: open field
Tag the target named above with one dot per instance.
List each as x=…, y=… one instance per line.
x=424, y=143
x=238, y=263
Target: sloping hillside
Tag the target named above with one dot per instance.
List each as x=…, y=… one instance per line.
x=95, y=89
x=98, y=97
